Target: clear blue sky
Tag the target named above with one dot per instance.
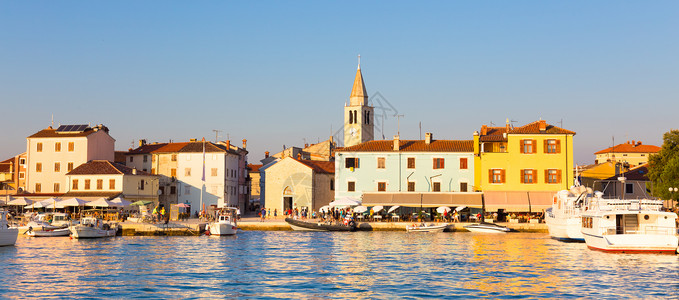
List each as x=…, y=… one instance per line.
x=278, y=73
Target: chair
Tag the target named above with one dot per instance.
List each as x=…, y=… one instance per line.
x=395, y=218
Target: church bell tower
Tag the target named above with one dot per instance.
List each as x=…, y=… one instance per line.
x=358, y=115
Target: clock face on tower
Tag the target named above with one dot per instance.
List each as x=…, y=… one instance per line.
x=353, y=132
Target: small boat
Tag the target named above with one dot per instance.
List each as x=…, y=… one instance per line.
x=48, y=232
x=225, y=224
x=614, y=225
x=8, y=235
x=90, y=228
x=487, y=228
x=426, y=227
x=563, y=218
x=320, y=226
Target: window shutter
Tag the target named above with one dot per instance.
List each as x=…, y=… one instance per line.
x=546, y=175
x=521, y=146
x=535, y=146
x=434, y=160
x=443, y=163
x=502, y=174
x=523, y=174
x=490, y=175
x=356, y=162
x=558, y=176
x=558, y=146
x=545, y=144
x=535, y=175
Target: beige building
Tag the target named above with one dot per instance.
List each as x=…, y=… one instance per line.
x=51, y=153
x=101, y=178
x=293, y=183
x=255, y=189
x=634, y=153
x=13, y=175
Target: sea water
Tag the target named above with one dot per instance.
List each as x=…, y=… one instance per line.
x=322, y=265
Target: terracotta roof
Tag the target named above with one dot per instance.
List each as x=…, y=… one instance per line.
x=254, y=168
x=198, y=147
x=170, y=147
x=412, y=146
x=101, y=167
x=534, y=128
x=640, y=173
x=146, y=149
x=51, y=133
x=5, y=165
x=494, y=134
x=327, y=167
x=630, y=148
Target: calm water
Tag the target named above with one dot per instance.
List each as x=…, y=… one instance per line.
x=320, y=265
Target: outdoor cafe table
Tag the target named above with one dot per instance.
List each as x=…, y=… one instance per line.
x=377, y=217
x=395, y=218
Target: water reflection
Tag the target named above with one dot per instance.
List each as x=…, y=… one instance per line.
x=329, y=265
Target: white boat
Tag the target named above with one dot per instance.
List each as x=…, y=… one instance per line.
x=487, y=228
x=426, y=228
x=225, y=223
x=8, y=235
x=43, y=222
x=564, y=217
x=49, y=232
x=629, y=226
x=91, y=227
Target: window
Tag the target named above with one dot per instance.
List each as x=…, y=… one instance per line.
x=587, y=222
x=463, y=187
x=146, y=158
x=22, y=161
x=38, y=147
x=174, y=157
x=56, y=187
x=162, y=190
x=75, y=184
x=38, y=167
x=100, y=184
x=527, y=146
x=87, y=184
x=463, y=163
x=213, y=172
x=57, y=167
x=131, y=158
x=57, y=147
x=411, y=186
x=173, y=190
x=111, y=184
x=71, y=146
x=187, y=190
x=173, y=172
x=380, y=162
x=38, y=188
x=529, y=176
x=187, y=172
x=351, y=186
x=411, y=163
x=351, y=162
x=496, y=175
x=552, y=146
x=436, y=187
x=552, y=176
x=70, y=166
x=439, y=163
x=624, y=155
x=381, y=186
x=22, y=175
x=629, y=188
x=141, y=184
x=332, y=184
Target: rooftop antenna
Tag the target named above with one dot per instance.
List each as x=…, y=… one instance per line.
x=561, y=123
x=132, y=144
x=52, y=120
x=420, y=129
x=492, y=123
x=217, y=134
x=398, y=129
x=359, y=61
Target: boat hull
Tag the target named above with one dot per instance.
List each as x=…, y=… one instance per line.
x=8, y=236
x=633, y=243
x=435, y=228
x=86, y=232
x=487, y=228
x=223, y=229
x=49, y=233
x=309, y=226
x=565, y=229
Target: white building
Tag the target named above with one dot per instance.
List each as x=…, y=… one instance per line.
x=51, y=153
x=101, y=178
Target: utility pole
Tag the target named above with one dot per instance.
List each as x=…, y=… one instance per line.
x=217, y=134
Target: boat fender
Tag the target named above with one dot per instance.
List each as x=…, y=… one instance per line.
x=554, y=199
x=30, y=229
x=352, y=224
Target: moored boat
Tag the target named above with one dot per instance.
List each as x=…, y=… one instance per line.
x=91, y=227
x=484, y=227
x=564, y=217
x=629, y=226
x=320, y=226
x=225, y=223
x=426, y=227
x=49, y=232
x=8, y=235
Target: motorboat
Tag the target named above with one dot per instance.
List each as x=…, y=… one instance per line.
x=487, y=228
x=426, y=227
x=91, y=227
x=321, y=226
x=43, y=222
x=564, y=217
x=638, y=225
x=225, y=223
x=8, y=235
x=48, y=232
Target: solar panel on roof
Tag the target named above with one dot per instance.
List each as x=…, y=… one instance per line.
x=71, y=128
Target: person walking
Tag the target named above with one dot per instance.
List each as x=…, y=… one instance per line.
x=262, y=215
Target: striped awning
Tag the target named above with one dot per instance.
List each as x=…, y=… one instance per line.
x=414, y=199
x=518, y=201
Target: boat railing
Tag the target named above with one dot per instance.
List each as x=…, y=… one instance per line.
x=654, y=230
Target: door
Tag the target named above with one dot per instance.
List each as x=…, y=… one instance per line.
x=287, y=203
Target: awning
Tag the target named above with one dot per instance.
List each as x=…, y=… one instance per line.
x=518, y=201
x=411, y=199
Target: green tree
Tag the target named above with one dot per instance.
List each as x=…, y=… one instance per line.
x=663, y=168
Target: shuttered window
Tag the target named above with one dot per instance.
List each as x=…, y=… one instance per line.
x=496, y=176
x=439, y=163
x=463, y=163
x=528, y=146
x=552, y=176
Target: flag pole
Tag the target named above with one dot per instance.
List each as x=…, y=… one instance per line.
x=203, y=179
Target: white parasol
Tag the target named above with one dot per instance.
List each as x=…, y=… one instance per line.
x=324, y=208
x=120, y=201
x=459, y=208
x=74, y=202
x=360, y=209
x=102, y=202
x=378, y=208
x=442, y=209
x=22, y=201
x=345, y=201
x=393, y=208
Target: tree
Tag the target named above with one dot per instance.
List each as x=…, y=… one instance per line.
x=663, y=168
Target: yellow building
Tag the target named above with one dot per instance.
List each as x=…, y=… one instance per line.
x=520, y=169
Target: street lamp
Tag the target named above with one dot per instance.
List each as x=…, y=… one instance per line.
x=672, y=190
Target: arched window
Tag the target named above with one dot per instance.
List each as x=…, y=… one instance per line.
x=355, y=117
x=351, y=118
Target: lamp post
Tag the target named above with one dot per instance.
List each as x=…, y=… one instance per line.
x=673, y=190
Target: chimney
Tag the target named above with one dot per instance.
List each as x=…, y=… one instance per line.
x=134, y=171
x=628, y=141
x=228, y=144
x=299, y=156
x=507, y=125
x=542, y=125
x=428, y=138
x=306, y=145
x=142, y=142
x=397, y=143
x=245, y=143
x=638, y=143
x=634, y=143
x=266, y=154
x=484, y=130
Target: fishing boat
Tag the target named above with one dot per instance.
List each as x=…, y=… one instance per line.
x=225, y=223
x=48, y=232
x=320, y=226
x=614, y=225
x=425, y=227
x=8, y=235
x=564, y=217
x=484, y=227
x=90, y=228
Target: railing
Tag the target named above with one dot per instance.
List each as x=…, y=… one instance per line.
x=655, y=230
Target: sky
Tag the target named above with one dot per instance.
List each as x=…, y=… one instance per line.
x=278, y=73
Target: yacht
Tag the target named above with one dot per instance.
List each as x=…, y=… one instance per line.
x=629, y=226
x=484, y=227
x=564, y=217
x=225, y=223
x=8, y=235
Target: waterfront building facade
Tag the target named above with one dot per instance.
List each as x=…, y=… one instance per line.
x=255, y=188
x=51, y=153
x=298, y=184
x=520, y=169
x=13, y=175
x=100, y=178
x=632, y=153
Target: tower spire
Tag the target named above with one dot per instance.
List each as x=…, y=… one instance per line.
x=359, y=96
